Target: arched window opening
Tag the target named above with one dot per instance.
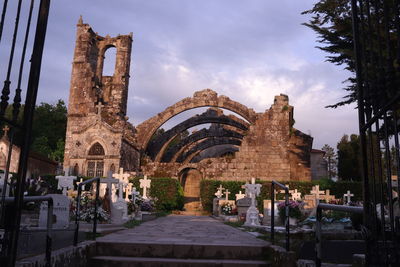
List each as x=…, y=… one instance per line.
x=95, y=168
x=109, y=63
x=96, y=150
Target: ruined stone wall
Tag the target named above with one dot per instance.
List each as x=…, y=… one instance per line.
x=271, y=150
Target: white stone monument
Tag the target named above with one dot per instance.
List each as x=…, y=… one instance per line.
x=253, y=190
x=240, y=195
x=134, y=194
x=316, y=192
x=347, y=197
x=145, y=183
x=61, y=205
x=295, y=195
x=227, y=193
x=66, y=181
x=219, y=194
x=128, y=191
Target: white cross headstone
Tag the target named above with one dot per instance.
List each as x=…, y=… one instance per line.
x=219, y=194
x=347, y=197
x=227, y=194
x=240, y=195
x=296, y=195
x=253, y=190
x=111, y=185
x=66, y=181
x=145, y=183
x=123, y=182
x=316, y=192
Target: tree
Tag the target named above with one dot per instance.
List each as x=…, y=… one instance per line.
x=349, y=157
x=48, y=130
x=332, y=22
x=330, y=157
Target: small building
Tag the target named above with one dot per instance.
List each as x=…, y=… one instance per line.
x=37, y=164
x=319, y=166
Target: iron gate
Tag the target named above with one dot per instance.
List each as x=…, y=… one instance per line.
x=15, y=43
x=376, y=29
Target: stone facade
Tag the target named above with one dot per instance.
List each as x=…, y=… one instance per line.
x=99, y=139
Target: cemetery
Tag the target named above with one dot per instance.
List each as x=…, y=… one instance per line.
x=83, y=185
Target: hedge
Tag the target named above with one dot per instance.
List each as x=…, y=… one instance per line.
x=209, y=187
x=167, y=191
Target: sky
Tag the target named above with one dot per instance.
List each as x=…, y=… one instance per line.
x=247, y=50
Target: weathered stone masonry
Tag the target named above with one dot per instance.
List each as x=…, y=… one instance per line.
x=99, y=138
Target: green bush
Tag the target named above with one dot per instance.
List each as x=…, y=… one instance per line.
x=209, y=187
x=167, y=191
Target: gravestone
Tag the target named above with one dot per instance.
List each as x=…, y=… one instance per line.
x=243, y=205
x=295, y=195
x=145, y=183
x=347, y=197
x=328, y=197
x=65, y=181
x=240, y=195
x=219, y=194
x=267, y=212
x=61, y=206
x=253, y=190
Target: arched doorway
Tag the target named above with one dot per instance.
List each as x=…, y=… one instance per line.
x=190, y=180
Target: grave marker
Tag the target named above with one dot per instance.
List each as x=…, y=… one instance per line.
x=145, y=183
x=61, y=205
x=347, y=197
x=66, y=181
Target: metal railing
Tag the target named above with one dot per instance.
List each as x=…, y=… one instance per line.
x=78, y=207
x=287, y=235
x=318, y=231
x=49, y=220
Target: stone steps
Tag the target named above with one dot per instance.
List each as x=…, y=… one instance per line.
x=173, y=254
x=108, y=261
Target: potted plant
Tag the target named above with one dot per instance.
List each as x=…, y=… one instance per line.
x=294, y=211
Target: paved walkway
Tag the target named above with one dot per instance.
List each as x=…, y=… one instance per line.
x=178, y=229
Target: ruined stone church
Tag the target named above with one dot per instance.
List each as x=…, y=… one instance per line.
x=100, y=139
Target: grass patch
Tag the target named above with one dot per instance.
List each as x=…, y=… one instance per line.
x=132, y=223
x=162, y=213
x=235, y=224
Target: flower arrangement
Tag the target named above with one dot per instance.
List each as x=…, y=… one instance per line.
x=87, y=205
x=227, y=208
x=294, y=209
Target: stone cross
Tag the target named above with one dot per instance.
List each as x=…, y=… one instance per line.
x=240, y=195
x=316, y=192
x=65, y=181
x=295, y=195
x=123, y=182
x=328, y=197
x=252, y=212
x=80, y=181
x=219, y=194
x=348, y=196
x=227, y=194
x=145, y=183
x=99, y=106
x=110, y=181
x=134, y=194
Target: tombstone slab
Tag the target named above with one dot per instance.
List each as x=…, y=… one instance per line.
x=60, y=212
x=243, y=205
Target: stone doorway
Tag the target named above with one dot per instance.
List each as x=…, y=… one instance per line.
x=190, y=181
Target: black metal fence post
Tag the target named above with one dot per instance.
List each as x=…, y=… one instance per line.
x=287, y=226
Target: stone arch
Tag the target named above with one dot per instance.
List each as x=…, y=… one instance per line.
x=158, y=145
x=216, y=152
x=95, y=159
x=190, y=180
x=209, y=142
x=108, y=61
x=205, y=98
x=213, y=131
